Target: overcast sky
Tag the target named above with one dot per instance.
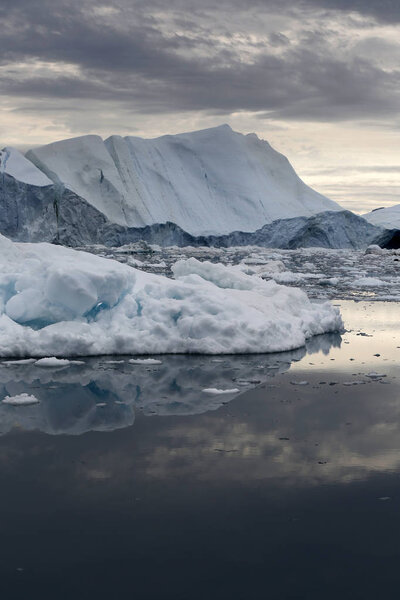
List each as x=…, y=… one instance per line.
x=319, y=79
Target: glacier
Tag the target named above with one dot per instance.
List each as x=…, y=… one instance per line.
x=60, y=302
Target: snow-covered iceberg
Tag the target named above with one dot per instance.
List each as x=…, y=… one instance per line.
x=212, y=188
x=56, y=301
x=206, y=182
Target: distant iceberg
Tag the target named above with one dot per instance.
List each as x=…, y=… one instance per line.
x=58, y=302
x=213, y=187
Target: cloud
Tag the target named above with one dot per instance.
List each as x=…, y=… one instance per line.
x=155, y=61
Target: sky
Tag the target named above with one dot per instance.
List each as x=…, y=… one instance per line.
x=318, y=79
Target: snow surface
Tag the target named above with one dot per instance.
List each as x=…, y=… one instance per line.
x=15, y=164
x=213, y=181
x=56, y=301
x=385, y=217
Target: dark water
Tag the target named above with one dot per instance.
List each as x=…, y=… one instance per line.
x=131, y=482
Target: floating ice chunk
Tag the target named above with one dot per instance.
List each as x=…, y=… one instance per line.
x=292, y=277
x=374, y=375
x=22, y=361
x=21, y=400
x=217, y=392
x=329, y=281
x=299, y=382
x=52, y=361
x=375, y=249
x=368, y=282
x=145, y=361
x=114, y=362
x=59, y=302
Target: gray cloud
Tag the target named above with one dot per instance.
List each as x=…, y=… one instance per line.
x=136, y=55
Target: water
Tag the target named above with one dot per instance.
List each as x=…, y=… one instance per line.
x=322, y=273
x=129, y=481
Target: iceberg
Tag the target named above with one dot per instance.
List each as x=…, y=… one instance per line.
x=388, y=217
x=208, y=182
x=58, y=302
x=13, y=163
x=213, y=187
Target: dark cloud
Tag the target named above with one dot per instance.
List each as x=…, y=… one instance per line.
x=136, y=54
x=382, y=10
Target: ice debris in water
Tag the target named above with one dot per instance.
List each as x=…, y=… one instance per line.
x=59, y=302
x=368, y=282
x=216, y=391
x=20, y=400
x=22, y=361
x=145, y=361
x=52, y=361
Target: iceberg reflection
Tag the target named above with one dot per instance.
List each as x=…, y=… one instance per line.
x=103, y=394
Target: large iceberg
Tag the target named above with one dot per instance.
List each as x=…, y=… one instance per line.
x=206, y=182
x=212, y=188
x=55, y=301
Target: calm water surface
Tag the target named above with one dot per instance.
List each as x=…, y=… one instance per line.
x=130, y=481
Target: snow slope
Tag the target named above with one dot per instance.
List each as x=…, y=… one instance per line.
x=385, y=217
x=15, y=164
x=213, y=181
x=55, y=301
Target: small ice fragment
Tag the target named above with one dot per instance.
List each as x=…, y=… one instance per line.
x=374, y=375
x=216, y=391
x=101, y=404
x=23, y=361
x=299, y=382
x=52, y=361
x=145, y=361
x=113, y=362
x=20, y=400
x=384, y=498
